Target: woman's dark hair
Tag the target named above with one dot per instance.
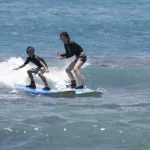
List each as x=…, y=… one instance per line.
x=65, y=34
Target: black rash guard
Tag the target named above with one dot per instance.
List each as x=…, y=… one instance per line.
x=72, y=49
x=36, y=60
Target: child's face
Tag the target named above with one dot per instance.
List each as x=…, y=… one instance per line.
x=64, y=39
x=30, y=54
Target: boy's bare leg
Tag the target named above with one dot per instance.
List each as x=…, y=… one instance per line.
x=43, y=78
x=30, y=76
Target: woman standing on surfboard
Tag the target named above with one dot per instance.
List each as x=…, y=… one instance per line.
x=72, y=49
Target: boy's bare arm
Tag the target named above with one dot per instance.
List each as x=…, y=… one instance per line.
x=19, y=67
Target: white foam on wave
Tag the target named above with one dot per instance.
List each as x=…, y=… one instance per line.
x=56, y=76
x=9, y=76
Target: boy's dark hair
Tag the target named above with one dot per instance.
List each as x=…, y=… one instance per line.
x=65, y=34
x=30, y=49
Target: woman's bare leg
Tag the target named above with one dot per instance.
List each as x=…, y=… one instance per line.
x=76, y=68
x=69, y=69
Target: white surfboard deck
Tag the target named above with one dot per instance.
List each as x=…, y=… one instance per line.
x=83, y=91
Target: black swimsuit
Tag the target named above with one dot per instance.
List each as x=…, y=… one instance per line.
x=72, y=49
x=36, y=60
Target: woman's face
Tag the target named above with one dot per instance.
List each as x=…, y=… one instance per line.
x=64, y=39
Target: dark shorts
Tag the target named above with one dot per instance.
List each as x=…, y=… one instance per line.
x=82, y=57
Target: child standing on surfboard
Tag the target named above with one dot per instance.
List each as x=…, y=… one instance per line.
x=41, y=68
x=72, y=49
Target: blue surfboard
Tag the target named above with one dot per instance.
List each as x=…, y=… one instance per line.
x=23, y=88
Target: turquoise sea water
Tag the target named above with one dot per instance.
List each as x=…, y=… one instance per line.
x=115, y=36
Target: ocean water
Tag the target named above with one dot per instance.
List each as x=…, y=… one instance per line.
x=115, y=36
